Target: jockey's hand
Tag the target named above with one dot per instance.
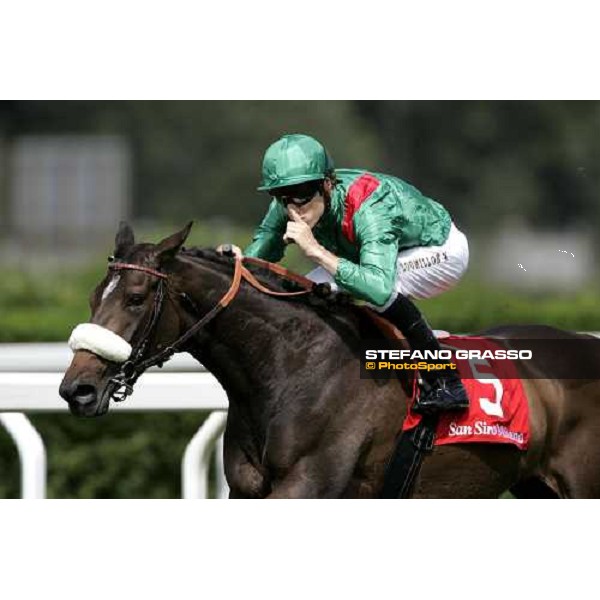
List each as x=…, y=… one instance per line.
x=227, y=248
x=298, y=231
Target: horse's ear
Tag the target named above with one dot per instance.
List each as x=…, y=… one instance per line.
x=169, y=247
x=124, y=239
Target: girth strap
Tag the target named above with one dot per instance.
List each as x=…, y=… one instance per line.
x=405, y=462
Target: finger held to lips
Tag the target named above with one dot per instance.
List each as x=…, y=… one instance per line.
x=295, y=214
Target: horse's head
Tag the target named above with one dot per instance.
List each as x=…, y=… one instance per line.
x=132, y=315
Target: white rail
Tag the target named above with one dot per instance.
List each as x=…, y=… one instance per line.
x=38, y=392
x=30, y=375
x=32, y=454
x=56, y=357
x=194, y=468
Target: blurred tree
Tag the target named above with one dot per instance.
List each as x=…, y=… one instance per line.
x=484, y=160
x=489, y=160
x=200, y=159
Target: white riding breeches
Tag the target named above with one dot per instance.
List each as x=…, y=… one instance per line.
x=422, y=271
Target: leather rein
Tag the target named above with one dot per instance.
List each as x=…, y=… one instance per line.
x=124, y=380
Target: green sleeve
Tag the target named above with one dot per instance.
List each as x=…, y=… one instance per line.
x=374, y=277
x=267, y=242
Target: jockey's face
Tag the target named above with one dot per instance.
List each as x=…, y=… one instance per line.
x=308, y=200
x=311, y=212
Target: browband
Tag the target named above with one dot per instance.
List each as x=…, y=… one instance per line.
x=133, y=267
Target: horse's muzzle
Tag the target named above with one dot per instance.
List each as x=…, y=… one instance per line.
x=83, y=398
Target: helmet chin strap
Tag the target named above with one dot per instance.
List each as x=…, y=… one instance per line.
x=327, y=200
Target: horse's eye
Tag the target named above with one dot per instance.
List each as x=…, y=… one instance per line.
x=135, y=300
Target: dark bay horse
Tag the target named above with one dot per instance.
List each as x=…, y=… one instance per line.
x=301, y=422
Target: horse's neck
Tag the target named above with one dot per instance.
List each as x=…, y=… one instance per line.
x=255, y=344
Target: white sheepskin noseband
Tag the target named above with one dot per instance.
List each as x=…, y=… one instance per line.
x=100, y=341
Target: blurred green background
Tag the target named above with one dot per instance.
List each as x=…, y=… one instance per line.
x=513, y=175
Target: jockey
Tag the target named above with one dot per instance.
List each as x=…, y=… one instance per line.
x=373, y=235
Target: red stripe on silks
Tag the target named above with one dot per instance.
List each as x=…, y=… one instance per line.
x=358, y=192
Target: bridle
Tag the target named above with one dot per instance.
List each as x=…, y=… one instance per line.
x=122, y=383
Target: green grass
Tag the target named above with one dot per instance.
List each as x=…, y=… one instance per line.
x=473, y=306
x=46, y=307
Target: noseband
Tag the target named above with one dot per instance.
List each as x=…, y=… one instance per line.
x=124, y=380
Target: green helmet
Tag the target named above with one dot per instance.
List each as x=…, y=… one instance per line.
x=294, y=159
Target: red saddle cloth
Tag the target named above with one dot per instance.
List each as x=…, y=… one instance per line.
x=498, y=411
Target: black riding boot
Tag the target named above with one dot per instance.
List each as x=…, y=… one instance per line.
x=441, y=392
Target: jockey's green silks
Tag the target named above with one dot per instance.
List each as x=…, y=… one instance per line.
x=370, y=218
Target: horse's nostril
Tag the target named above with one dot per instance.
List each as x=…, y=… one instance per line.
x=84, y=390
x=83, y=395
